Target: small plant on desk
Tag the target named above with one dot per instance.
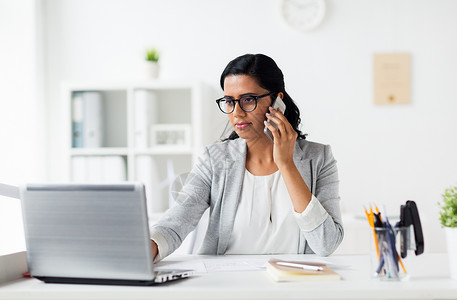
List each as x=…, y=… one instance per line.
x=448, y=213
x=152, y=55
x=448, y=218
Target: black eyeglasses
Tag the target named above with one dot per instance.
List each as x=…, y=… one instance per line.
x=247, y=103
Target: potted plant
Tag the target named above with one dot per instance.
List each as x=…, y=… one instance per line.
x=448, y=218
x=152, y=63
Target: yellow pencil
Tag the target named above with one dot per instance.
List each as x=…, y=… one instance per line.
x=401, y=263
x=377, y=211
x=370, y=218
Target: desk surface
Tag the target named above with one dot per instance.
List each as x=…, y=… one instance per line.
x=429, y=280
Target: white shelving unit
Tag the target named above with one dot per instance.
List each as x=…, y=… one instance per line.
x=166, y=106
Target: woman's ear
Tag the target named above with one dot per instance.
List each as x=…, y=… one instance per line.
x=281, y=95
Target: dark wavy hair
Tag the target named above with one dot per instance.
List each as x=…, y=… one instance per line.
x=268, y=76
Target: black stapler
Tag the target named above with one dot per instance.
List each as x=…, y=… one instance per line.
x=409, y=215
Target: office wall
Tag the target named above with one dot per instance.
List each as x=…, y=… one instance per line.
x=22, y=133
x=21, y=105
x=386, y=154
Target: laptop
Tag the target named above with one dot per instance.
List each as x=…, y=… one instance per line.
x=90, y=234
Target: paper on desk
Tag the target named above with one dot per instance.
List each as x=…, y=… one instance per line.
x=220, y=264
x=225, y=265
x=228, y=264
x=197, y=265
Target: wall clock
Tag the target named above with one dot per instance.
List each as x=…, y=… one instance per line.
x=303, y=15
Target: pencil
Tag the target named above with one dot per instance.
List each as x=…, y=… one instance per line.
x=401, y=263
x=371, y=222
x=376, y=208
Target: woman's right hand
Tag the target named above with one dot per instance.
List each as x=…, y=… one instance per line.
x=155, y=249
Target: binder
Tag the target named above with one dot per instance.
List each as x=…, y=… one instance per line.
x=114, y=169
x=145, y=111
x=147, y=172
x=87, y=120
x=93, y=120
x=99, y=169
x=77, y=120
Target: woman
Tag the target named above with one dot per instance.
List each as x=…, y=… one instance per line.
x=264, y=197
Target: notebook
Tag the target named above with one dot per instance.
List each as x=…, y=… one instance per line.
x=90, y=234
x=285, y=273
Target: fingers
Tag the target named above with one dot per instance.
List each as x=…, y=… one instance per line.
x=279, y=119
x=273, y=130
x=277, y=113
x=284, y=127
x=278, y=126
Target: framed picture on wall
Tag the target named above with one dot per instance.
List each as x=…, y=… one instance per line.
x=170, y=135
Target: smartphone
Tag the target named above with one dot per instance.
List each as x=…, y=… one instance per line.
x=278, y=104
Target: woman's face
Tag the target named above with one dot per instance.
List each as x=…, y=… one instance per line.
x=248, y=125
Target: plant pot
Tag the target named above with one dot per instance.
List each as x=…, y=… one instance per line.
x=151, y=70
x=451, y=241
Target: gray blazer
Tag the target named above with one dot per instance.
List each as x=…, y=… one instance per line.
x=216, y=182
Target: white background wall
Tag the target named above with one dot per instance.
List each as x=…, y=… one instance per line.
x=21, y=106
x=22, y=130
x=386, y=154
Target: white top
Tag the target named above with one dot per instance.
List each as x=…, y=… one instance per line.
x=265, y=221
x=253, y=232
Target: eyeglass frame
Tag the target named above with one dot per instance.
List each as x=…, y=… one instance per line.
x=256, y=98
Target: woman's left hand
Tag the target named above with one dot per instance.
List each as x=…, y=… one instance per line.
x=284, y=138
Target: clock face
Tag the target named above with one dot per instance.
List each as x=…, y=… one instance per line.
x=303, y=15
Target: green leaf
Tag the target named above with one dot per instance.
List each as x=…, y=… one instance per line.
x=152, y=55
x=448, y=213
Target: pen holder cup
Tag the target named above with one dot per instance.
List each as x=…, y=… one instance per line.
x=389, y=251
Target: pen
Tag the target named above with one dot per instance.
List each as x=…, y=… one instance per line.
x=305, y=267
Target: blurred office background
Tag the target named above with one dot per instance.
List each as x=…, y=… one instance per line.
x=386, y=154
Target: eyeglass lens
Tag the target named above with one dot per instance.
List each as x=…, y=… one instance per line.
x=247, y=103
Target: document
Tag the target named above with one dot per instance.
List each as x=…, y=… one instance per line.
x=219, y=264
x=225, y=265
x=197, y=265
x=205, y=264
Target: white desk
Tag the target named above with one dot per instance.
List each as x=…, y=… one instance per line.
x=429, y=280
